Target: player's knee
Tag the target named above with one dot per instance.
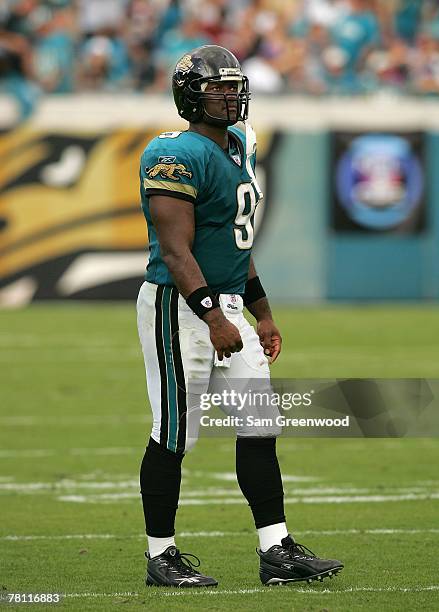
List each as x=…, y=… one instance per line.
x=161, y=446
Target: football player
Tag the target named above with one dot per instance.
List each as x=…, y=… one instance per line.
x=199, y=195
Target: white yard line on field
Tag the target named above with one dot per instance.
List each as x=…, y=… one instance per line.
x=95, y=595
x=111, y=491
x=16, y=341
x=219, y=534
x=7, y=484
x=304, y=491
x=231, y=476
x=305, y=591
x=67, y=483
x=258, y=590
x=26, y=453
x=50, y=452
x=75, y=536
x=228, y=501
x=29, y=420
x=326, y=532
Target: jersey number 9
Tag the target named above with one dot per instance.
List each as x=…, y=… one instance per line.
x=244, y=233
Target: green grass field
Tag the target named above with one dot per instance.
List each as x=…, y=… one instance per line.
x=74, y=420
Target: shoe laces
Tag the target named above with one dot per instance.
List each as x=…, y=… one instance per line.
x=181, y=563
x=299, y=550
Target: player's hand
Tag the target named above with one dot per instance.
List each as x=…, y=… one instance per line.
x=224, y=336
x=270, y=338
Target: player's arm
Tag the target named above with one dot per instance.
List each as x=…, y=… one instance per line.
x=174, y=222
x=257, y=304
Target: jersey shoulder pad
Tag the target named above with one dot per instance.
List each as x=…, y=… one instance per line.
x=239, y=134
x=170, y=163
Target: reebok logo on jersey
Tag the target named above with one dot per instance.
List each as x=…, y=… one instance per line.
x=166, y=159
x=168, y=171
x=207, y=302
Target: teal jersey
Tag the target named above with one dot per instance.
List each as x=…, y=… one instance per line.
x=192, y=167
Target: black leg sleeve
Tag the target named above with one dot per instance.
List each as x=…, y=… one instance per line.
x=160, y=478
x=259, y=478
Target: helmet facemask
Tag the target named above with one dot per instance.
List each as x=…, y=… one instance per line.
x=235, y=104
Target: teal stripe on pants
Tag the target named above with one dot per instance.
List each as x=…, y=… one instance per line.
x=170, y=371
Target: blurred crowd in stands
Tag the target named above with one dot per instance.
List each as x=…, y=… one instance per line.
x=311, y=47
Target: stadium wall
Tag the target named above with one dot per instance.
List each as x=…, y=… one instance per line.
x=70, y=221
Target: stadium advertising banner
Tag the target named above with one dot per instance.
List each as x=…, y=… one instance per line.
x=378, y=182
x=67, y=202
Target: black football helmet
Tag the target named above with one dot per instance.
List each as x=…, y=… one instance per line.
x=204, y=65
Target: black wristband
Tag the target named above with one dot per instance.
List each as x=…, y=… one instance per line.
x=202, y=300
x=253, y=291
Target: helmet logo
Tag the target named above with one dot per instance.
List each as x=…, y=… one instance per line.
x=185, y=64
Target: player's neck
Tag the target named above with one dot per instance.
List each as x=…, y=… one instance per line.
x=215, y=133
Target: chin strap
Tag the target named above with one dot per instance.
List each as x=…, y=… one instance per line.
x=250, y=149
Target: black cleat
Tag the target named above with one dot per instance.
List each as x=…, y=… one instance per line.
x=173, y=568
x=292, y=562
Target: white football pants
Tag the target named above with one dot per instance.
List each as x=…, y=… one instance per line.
x=180, y=364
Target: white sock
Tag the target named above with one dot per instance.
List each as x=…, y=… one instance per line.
x=157, y=546
x=271, y=535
